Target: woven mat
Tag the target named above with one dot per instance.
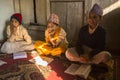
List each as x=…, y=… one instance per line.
x=59, y=66
x=24, y=70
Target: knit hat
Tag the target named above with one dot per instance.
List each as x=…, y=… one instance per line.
x=17, y=16
x=97, y=9
x=54, y=18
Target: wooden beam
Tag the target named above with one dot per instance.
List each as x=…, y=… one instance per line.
x=34, y=5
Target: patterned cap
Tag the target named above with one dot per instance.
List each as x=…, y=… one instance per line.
x=97, y=9
x=54, y=18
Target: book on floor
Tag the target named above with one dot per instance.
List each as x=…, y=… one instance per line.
x=81, y=70
x=19, y=55
x=2, y=62
x=39, y=61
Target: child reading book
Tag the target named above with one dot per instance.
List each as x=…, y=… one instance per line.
x=90, y=47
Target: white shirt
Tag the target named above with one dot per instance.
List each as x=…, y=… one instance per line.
x=21, y=35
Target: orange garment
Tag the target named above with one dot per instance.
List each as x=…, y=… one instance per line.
x=44, y=49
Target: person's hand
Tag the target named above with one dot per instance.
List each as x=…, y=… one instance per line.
x=48, y=44
x=54, y=43
x=14, y=30
x=51, y=33
x=82, y=59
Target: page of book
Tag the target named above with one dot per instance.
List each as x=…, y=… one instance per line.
x=19, y=55
x=72, y=69
x=39, y=61
x=81, y=70
x=2, y=62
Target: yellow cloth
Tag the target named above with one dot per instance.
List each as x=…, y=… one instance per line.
x=45, y=49
x=60, y=35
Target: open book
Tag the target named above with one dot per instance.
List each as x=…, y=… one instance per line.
x=39, y=61
x=82, y=70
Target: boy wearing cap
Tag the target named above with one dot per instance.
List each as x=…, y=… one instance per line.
x=18, y=37
x=91, y=41
x=55, y=37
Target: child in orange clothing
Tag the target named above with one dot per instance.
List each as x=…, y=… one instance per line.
x=55, y=37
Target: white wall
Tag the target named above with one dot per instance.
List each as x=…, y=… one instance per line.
x=27, y=11
x=25, y=7
x=6, y=10
x=42, y=11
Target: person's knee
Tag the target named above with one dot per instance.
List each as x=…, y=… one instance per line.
x=103, y=56
x=68, y=55
x=107, y=56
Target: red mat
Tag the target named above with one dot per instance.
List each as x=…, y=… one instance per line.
x=58, y=71
x=25, y=70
